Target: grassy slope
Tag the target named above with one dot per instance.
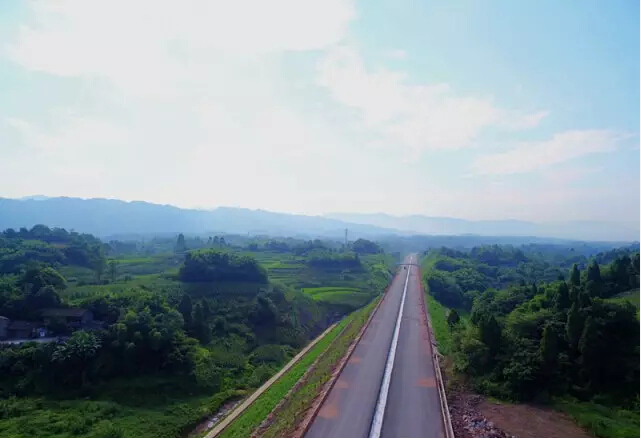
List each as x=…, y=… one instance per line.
x=438, y=315
x=256, y=413
x=295, y=407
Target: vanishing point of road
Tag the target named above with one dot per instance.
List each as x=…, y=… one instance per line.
x=388, y=387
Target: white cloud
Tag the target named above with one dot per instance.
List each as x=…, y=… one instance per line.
x=157, y=47
x=422, y=117
x=200, y=104
x=533, y=156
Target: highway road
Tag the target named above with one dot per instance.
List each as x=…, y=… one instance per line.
x=388, y=388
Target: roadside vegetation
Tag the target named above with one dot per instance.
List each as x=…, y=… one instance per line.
x=295, y=407
x=178, y=325
x=540, y=331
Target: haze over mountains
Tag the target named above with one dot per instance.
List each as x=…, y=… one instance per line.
x=580, y=230
x=108, y=217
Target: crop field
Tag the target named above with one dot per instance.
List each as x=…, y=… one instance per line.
x=339, y=295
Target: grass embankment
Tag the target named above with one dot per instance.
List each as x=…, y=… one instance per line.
x=294, y=408
x=438, y=316
x=258, y=411
x=599, y=420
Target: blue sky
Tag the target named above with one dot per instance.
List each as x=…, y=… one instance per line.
x=472, y=109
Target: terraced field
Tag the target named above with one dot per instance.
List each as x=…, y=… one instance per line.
x=350, y=296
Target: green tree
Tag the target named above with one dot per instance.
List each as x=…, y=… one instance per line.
x=202, y=331
x=40, y=277
x=574, y=326
x=593, y=289
x=453, y=318
x=181, y=246
x=186, y=308
x=575, y=275
x=490, y=334
x=594, y=273
x=574, y=294
x=549, y=350
x=590, y=348
x=562, y=297
x=76, y=353
x=206, y=310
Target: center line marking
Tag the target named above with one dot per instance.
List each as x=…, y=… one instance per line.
x=377, y=422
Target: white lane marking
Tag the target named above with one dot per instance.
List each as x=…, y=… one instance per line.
x=377, y=422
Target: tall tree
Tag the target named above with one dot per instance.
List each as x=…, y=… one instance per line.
x=186, y=308
x=574, y=326
x=549, y=350
x=575, y=275
x=594, y=273
x=490, y=333
x=181, y=246
x=202, y=330
x=590, y=348
x=562, y=297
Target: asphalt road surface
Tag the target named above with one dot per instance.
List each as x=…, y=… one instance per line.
x=379, y=394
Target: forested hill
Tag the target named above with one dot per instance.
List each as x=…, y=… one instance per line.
x=539, y=326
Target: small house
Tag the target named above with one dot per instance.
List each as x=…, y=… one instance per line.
x=73, y=317
x=22, y=329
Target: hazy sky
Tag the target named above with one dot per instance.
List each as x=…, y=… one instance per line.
x=474, y=109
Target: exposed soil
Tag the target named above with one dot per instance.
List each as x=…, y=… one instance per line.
x=475, y=417
x=526, y=421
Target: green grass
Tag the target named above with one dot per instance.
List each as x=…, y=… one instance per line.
x=244, y=425
x=47, y=418
x=349, y=296
x=632, y=296
x=438, y=316
x=294, y=408
x=601, y=421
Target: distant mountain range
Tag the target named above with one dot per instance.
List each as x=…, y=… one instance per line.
x=108, y=217
x=574, y=230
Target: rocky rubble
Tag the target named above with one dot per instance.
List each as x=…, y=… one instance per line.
x=467, y=421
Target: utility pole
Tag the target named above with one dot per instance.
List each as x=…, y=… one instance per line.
x=345, y=238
